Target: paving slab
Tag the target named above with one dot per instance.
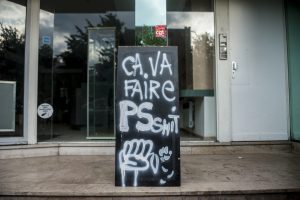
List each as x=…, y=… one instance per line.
x=91, y=176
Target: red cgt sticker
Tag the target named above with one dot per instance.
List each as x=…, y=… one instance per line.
x=160, y=31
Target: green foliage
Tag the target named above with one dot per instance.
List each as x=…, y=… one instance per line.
x=145, y=36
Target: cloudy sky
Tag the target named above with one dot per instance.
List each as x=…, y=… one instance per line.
x=13, y=14
x=150, y=13
x=60, y=25
x=200, y=22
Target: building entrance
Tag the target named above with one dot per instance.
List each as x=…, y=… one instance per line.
x=76, y=67
x=77, y=48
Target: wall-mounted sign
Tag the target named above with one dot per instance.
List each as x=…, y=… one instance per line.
x=45, y=110
x=160, y=31
x=46, y=40
x=223, y=47
x=147, y=117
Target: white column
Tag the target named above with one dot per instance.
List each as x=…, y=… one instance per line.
x=31, y=71
x=223, y=74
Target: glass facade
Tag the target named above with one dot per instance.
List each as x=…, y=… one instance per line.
x=78, y=43
x=12, y=51
x=77, y=50
x=77, y=55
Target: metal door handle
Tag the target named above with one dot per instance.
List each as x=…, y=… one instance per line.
x=234, y=68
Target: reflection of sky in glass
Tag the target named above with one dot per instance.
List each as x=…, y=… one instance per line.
x=63, y=25
x=150, y=13
x=46, y=25
x=12, y=14
x=200, y=22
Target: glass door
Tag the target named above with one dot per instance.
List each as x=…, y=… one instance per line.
x=76, y=66
x=100, y=81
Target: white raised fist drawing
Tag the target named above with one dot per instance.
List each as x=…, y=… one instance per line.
x=137, y=156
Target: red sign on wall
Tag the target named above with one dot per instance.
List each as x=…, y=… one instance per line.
x=160, y=31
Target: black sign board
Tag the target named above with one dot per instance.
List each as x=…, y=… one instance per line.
x=147, y=117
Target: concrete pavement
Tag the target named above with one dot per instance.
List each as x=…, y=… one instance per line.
x=202, y=175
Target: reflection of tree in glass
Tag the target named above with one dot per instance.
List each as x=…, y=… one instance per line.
x=70, y=67
x=203, y=56
x=45, y=73
x=45, y=56
x=12, y=44
x=203, y=43
x=12, y=49
x=76, y=54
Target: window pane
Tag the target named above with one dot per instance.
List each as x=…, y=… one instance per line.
x=150, y=23
x=191, y=28
x=12, y=50
x=150, y=14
